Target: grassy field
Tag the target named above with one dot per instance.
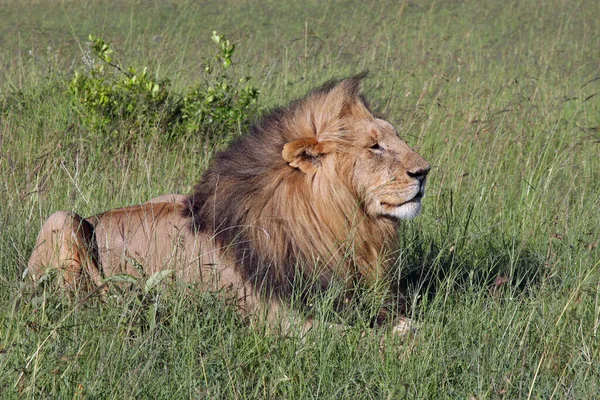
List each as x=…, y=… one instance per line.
x=502, y=269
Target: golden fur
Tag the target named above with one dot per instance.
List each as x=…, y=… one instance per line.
x=314, y=191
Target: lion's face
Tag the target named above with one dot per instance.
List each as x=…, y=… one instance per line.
x=346, y=144
x=368, y=157
x=388, y=176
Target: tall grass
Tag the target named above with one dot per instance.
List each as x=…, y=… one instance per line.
x=501, y=272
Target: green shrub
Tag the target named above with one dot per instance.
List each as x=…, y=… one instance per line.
x=111, y=98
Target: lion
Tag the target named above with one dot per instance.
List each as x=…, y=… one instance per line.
x=315, y=191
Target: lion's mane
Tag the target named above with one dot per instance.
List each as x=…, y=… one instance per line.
x=275, y=219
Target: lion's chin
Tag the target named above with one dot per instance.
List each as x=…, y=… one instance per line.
x=405, y=211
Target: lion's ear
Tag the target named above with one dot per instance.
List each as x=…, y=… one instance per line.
x=305, y=153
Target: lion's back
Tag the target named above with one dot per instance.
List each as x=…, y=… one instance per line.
x=152, y=237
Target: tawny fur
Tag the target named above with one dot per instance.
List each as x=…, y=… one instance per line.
x=314, y=190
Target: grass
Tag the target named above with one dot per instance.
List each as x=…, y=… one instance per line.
x=500, y=97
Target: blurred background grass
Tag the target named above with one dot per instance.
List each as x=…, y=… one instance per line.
x=500, y=97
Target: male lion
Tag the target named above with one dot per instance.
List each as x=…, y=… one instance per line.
x=314, y=191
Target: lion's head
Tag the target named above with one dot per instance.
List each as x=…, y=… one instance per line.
x=316, y=187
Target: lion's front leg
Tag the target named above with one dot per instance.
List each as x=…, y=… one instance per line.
x=272, y=313
x=65, y=243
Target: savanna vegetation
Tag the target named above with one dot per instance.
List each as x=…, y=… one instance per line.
x=501, y=272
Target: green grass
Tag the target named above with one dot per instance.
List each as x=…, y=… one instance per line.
x=502, y=99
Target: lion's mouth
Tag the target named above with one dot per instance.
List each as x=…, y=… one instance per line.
x=415, y=198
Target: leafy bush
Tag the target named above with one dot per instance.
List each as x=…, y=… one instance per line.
x=112, y=98
x=223, y=106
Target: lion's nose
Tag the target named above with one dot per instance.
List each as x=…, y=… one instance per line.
x=419, y=173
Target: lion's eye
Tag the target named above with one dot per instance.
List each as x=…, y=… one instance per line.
x=376, y=147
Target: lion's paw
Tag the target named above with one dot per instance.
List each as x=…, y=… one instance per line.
x=404, y=327
x=404, y=330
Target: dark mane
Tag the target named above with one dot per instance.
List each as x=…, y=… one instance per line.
x=254, y=203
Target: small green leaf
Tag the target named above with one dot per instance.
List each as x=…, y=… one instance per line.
x=156, y=278
x=122, y=278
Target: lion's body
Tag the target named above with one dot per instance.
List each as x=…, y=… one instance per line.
x=149, y=237
x=314, y=191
